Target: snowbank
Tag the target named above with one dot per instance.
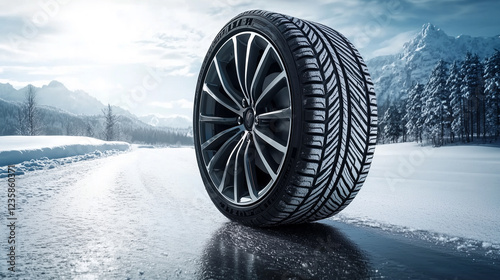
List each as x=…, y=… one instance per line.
x=451, y=190
x=19, y=149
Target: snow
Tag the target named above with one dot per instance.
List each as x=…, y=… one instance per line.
x=37, y=152
x=22, y=143
x=453, y=191
x=146, y=214
x=446, y=195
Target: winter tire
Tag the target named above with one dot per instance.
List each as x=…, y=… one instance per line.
x=285, y=120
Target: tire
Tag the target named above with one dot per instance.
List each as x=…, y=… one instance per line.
x=285, y=120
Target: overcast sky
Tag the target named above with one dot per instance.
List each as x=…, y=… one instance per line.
x=145, y=55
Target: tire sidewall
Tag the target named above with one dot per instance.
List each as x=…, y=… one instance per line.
x=267, y=29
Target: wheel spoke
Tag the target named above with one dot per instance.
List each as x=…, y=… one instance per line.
x=228, y=165
x=221, y=154
x=249, y=60
x=274, y=115
x=263, y=158
x=239, y=61
x=258, y=71
x=270, y=89
x=218, y=138
x=219, y=100
x=270, y=141
x=218, y=120
x=250, y=175
x=226, y=84
x=221, y=186
x=237, y=180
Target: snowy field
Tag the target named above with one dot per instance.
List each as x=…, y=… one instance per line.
x=31, y=153
x=451, y=190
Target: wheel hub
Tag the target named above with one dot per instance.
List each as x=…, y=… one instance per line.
x=249, y=119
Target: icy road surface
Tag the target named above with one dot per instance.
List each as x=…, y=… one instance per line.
x=145, y=215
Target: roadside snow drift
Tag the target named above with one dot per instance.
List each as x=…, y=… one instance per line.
x=453, y=190
x=42, y=150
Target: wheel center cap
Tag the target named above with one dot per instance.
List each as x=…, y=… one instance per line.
x=248, y=119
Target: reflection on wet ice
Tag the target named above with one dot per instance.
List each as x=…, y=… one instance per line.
x=309, y=251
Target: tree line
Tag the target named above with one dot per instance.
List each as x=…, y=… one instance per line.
x=28, y=118
x=459, y=103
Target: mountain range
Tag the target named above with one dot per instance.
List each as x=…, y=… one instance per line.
x=393, y=74
x=79, y=102
x=55, y=94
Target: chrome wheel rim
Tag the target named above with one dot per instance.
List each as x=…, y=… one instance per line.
x=244, y=118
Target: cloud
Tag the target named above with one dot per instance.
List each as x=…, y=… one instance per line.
x=173, y=35
x=20, y=7
x=185, y=71
x=107, y=47
x=181, y=103
x=48, y=71
x=21, y=84
x=394, y=44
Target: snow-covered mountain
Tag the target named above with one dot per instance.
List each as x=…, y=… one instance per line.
x=55, y=94
x=58, y=96
x=392, y=74
x=79, y=102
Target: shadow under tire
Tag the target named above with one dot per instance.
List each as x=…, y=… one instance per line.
x=285, y=120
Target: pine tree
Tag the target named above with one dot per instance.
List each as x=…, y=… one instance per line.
x=392, y=124
x=492, y=95
x=456, y=112
x=436, y=104
x=413, y=117
x=382, y=108
x=472, y=94
x=402, y=113
x=109, y=130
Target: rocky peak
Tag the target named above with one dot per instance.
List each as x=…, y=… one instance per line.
x=393, y=74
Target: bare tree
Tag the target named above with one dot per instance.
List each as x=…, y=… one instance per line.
x=27, y=116
x=109, y=132
x=31, y=111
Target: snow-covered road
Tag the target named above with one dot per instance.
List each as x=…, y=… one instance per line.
x=119, y=215
x=145, y=215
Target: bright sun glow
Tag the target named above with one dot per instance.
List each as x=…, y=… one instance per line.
x=105, y=33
